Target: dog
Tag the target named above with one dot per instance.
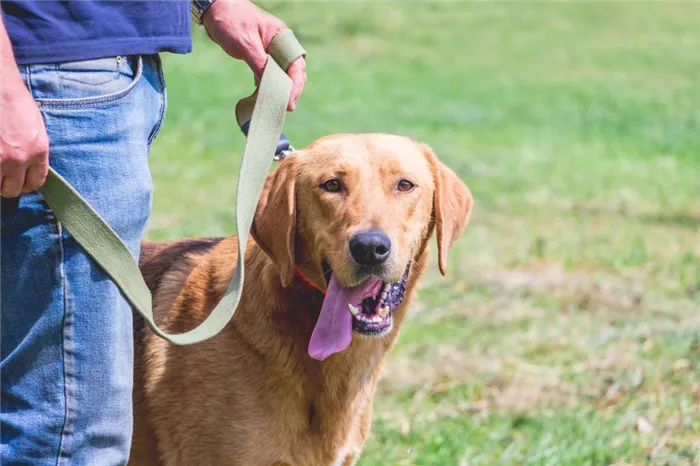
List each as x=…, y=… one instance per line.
x=339, y=242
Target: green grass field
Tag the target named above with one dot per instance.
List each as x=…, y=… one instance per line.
x=568, y=329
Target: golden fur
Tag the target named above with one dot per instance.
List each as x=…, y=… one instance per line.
x=252, y=395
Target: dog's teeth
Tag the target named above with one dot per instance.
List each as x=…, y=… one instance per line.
x=387, y=287
x=384, y=294
x=383, y=311
x=353, y=310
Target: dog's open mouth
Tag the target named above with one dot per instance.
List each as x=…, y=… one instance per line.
x=373, y=316
x=365, y=309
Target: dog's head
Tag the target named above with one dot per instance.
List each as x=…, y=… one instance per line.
x=353, y=213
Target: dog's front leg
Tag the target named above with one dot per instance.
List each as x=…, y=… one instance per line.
x=351, y=459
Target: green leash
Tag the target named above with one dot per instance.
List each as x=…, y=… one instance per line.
x=266, y=109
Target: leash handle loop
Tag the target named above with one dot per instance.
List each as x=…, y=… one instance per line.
x=265, y=110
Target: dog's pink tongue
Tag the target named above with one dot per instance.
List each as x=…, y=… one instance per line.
x=333, y=331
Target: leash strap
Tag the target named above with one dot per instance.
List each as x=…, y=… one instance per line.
x=265, y=109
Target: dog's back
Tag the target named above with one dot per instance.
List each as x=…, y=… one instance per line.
x=156, y=260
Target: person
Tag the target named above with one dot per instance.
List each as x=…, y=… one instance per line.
x=82, y=90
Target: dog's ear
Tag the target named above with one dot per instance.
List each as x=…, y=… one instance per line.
x=274, y=226
x=452, y=205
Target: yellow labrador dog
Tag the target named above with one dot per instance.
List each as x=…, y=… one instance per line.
x=339, y=242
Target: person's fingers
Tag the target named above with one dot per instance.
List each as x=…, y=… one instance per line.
x=35, y=177
x=12, y=179
x=296, y=71
x=255, y=56
x=271, y=26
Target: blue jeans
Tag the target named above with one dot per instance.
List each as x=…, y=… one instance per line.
x=67, y=337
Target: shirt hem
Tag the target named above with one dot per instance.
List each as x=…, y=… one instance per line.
x=92, y=49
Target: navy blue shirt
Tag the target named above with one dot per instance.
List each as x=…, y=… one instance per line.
x=50, y=31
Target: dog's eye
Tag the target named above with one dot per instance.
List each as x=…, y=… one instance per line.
x=405, y=186
x=332, y=185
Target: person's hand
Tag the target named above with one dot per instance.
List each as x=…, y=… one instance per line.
x=244, y=31
x=24, y=144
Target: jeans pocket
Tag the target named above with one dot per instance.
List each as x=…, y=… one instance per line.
x=99, y=72
x=85, y=84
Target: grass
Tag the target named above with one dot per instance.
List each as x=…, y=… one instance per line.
x=568, y=328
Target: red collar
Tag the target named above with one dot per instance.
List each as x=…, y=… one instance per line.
x=308, y=284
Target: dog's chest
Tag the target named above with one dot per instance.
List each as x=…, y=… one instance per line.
x=336, y=444
x=334, y=433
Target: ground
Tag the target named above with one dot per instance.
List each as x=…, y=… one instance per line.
x=567, y=330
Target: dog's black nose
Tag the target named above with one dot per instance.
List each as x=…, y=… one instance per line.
x=370, y=247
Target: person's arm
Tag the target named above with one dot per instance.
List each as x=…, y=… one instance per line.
x=244, y=31
x=24, y=144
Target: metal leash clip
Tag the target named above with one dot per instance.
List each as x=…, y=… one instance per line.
x=284, y=146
